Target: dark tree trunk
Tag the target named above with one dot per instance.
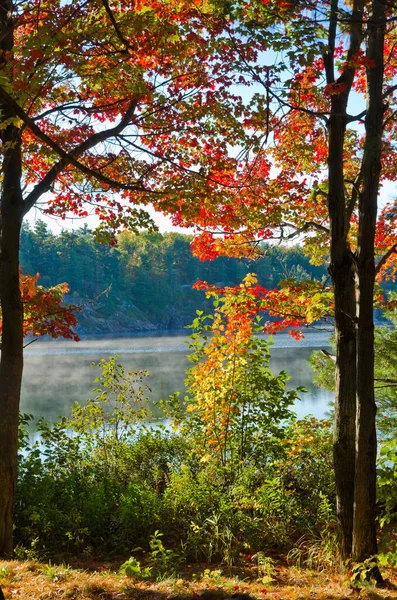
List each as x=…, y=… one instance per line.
x=11, y=362
x=364, y=535
x=11, y=365
x=345, y=401
x=343, y=272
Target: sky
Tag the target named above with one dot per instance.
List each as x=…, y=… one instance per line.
x=57, y=224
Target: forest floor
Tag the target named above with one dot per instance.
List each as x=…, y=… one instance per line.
x=32, y=580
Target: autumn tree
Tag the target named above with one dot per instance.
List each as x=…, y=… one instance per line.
x=103, y=105
x=323, y=127
x=236, y=410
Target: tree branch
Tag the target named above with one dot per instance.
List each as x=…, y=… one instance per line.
x=116, y=27
x=328, y=57
x=328, y=355
x=353, y=197
x=385, y=258
x=70, y=158
x=362, y=114
x=73, y=105
x=306, y=227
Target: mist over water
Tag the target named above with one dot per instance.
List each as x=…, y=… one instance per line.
x=58, y=373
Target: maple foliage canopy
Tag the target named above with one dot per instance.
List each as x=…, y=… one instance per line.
x=145, y=99
x=129, y=97
x=278, y=187
x=322, y=121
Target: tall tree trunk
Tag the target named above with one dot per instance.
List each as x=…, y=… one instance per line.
x=11, y=362
x=345, y=401
x=342, y=272
x=364, y=534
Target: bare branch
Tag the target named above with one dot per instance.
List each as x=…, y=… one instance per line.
x=309, y=225
x=328, y=57
x=362, y=114
x=73, y=105
x=393, y=381
x=328, y=355
x=353, y=197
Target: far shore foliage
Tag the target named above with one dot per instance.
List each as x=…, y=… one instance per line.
x=146, y=279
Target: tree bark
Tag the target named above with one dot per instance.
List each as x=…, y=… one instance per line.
x=342, y=272
x=11, y=364
x=364, y=533
x=345, y=401
x=11, y=361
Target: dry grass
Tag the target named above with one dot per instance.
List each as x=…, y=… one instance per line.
x=36, y=581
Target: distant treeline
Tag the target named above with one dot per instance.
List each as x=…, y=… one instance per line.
x=148, y=278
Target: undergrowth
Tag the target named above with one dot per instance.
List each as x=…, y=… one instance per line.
x=239, y=476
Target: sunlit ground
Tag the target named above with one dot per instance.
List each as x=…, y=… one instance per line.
x=34, y=580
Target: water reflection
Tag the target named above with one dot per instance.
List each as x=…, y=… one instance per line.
x=59, y=373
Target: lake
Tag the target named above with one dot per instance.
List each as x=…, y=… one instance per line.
x=57, y=373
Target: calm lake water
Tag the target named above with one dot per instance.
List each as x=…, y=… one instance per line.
x=57, y=373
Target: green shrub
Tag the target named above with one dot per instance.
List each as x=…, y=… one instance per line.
x=387, y=482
